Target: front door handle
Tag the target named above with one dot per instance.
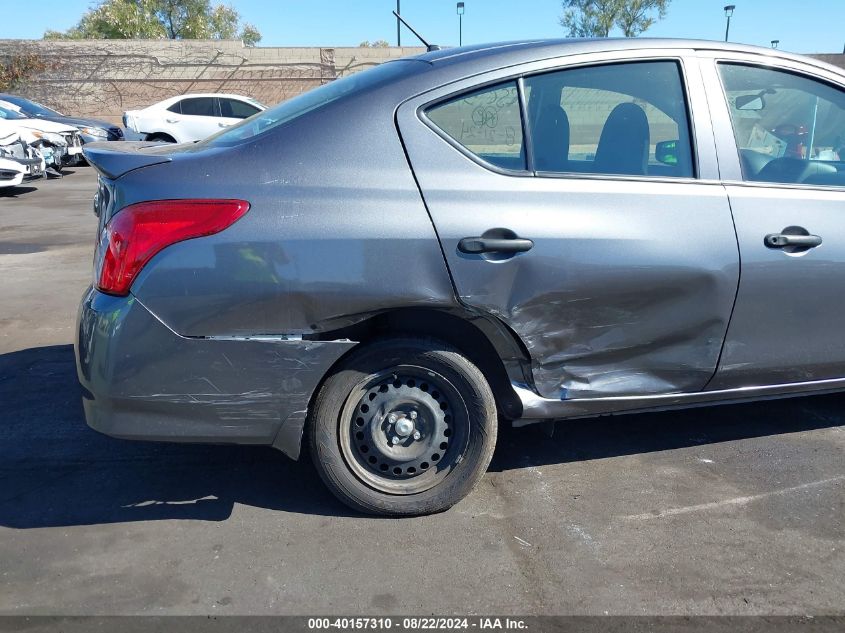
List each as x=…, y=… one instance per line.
x=476, y=245
x=782, y=240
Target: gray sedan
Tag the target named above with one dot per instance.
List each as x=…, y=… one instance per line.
x=385, y=268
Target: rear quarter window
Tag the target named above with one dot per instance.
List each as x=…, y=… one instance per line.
x=486, y=122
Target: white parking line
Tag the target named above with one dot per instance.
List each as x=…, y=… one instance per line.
x=736, y=501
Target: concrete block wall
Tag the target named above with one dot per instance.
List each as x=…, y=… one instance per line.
x=104, y=78
x=835, y=59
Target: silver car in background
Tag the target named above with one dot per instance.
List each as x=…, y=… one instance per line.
x=519, y=232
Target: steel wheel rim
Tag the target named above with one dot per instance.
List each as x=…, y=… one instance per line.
x=411, y=465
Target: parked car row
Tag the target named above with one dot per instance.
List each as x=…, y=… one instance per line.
x=90, y=130
x=36, y=141
x=59, y=144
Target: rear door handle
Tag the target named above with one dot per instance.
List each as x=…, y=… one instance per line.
x=477, y=245
x=781, y=240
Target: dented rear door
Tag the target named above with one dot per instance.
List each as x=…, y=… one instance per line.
x=629, y=282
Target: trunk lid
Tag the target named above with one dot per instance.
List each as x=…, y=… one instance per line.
x=113, y=159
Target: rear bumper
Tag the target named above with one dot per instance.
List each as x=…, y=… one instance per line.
x=143, y=381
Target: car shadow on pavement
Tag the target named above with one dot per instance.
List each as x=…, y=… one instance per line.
x=55, y=471
x=14, y=192
x=614, y=436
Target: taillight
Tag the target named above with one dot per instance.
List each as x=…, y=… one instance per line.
x=134, y=236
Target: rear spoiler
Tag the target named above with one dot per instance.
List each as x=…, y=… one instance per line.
x=113, y=159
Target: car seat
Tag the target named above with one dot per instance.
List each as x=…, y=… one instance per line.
x=551, y=140
x=624, y=142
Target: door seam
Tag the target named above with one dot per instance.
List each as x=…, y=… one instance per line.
x=736, y=293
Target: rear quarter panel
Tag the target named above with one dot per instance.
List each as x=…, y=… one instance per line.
x=336, y=231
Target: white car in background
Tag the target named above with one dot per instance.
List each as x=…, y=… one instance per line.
x=191, y=117
x=60, y=144
x=19, y=161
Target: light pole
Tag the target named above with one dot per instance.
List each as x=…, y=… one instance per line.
x=460, y=24
x=775, y=43
x=398, y=25
x=729, y=11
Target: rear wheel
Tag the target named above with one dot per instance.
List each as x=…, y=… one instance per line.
x=403, y=427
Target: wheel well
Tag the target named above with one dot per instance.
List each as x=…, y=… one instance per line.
x=450, y=328
x=160, y=136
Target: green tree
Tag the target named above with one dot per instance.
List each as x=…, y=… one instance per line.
x=637, y=16
x=376, y=44
x=589, y=18
x=160, y=19
x=597, y=18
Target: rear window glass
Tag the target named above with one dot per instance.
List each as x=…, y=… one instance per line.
x=487, y=123
x=312, y=100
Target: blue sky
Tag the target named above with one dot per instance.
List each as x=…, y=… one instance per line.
x=808, y=26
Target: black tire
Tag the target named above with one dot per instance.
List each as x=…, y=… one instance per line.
x=158, y=136
x=428, y=387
